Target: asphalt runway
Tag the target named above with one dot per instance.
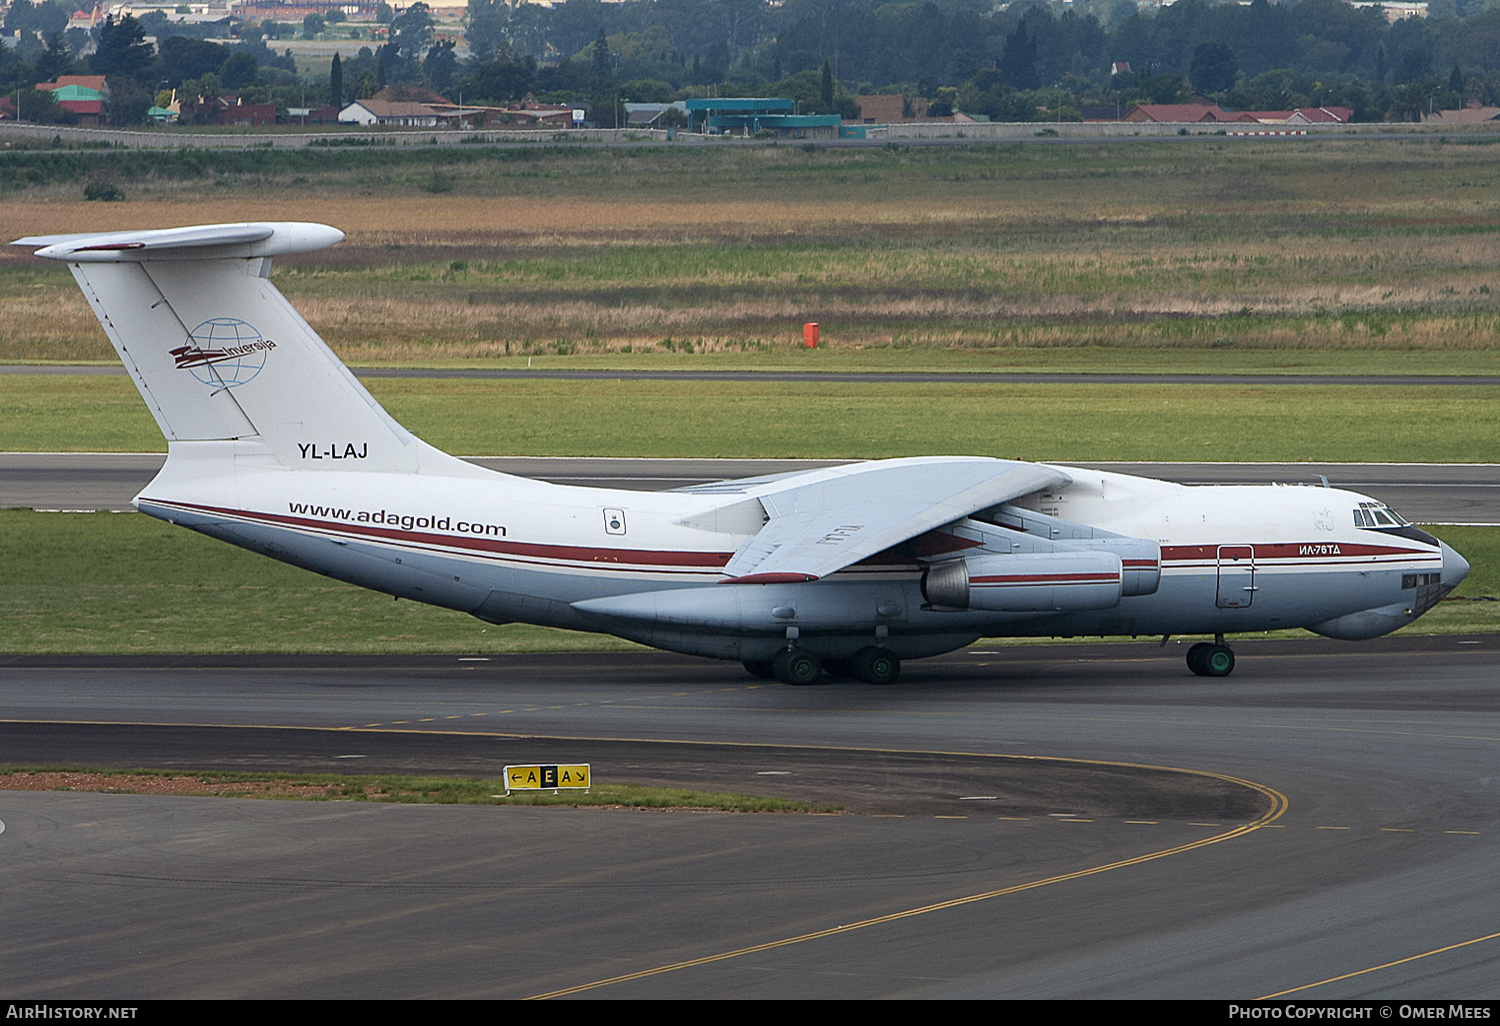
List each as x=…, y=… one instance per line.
x=1038, y=821
x=1430, y=493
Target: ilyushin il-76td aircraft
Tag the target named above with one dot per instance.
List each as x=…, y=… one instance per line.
x=276, y=447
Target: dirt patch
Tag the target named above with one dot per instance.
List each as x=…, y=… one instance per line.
x=150, y=783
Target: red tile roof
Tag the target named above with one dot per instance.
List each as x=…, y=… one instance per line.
x=94, y=82
x=1177, y=113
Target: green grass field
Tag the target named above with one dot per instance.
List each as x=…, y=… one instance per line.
x=752, y=419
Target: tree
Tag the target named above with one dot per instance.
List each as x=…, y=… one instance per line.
x=487, y=24
x=56, y=60
x=239, y=70
x=129, y=102
x=502, y=81
x=123, y=51
x=48, y=17
x=1213, y=68
x=336, y=82
x=205, y=90
x=411, y=35
x=826, y=87
x=441, y=66
x=604, y=89
x=312, y=25
x=182, y=58
x=1018, y=59
x=39, y=107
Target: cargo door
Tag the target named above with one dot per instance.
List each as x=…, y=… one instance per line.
x=1236, y=576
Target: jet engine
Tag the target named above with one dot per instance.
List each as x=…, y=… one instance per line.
x=1061, y=582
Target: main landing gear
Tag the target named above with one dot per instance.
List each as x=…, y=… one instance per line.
x=800, y=666
x=1211, y=660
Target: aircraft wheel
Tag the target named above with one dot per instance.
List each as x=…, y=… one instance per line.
x=876, y=666
x=756, y=668
x=1196, y=656
x=1218, y=661
x=797, y=666
x=1210, y=660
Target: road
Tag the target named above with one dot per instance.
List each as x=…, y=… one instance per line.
x=1433, y=493
x=1079, y=821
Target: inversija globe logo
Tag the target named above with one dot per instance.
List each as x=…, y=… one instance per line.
x=223, y=352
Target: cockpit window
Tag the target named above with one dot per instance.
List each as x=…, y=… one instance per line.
x=1378, y=514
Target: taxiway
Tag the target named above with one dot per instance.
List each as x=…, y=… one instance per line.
x=1084, y=821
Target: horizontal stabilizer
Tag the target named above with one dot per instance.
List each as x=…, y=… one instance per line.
x=200, y=242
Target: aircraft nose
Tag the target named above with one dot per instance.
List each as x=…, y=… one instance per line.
x=1455, y=567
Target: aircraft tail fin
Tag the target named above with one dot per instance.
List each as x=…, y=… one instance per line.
x=219, y=354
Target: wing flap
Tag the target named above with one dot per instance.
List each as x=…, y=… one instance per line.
x=826, y=520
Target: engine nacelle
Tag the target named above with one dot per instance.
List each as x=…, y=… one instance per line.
x=1049, y=582
x=1140, y=558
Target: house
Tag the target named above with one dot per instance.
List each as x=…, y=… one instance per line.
x=238, y=113
x=389, y=113
x=95, y=83
x=1468, y=116
x=227, y=110
x=1394, y=12
x=84, y=95
x=1300, y=116
x=893, y=108
x=649, y=115
x=1321, y=115
x=528, y=115
x=749, y=115
x=323, y=114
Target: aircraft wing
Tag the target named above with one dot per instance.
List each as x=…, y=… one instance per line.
x=825, y=520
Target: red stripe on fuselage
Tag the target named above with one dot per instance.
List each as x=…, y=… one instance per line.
x=1289, y=550
x=1003, y=579
x=649, y=558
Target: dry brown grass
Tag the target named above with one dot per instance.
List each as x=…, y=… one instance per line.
x=152, y=783
x=1377, y=248
x=452, y=222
